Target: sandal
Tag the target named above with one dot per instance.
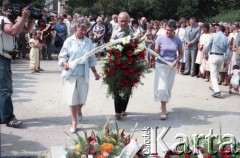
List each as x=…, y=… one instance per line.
x=73, y=128
x=163, y=116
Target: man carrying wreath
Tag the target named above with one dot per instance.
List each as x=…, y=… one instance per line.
x=122, y=30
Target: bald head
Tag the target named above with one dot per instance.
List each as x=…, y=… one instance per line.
x=123, y=20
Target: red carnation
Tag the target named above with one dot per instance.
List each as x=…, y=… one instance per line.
x=120, y=84
x=131, y=69
x=118, y=55
x=126, y=73
x=141, y=55
x=135, y=59
x=129, y=53
x=136, y=41
x=111, y=72
x=124, y=66
x=111, y=63
x=129, y=60
x=132, y=44
x=117, y=62
x=118, y=67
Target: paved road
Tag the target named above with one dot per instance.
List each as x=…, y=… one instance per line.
x=38, y=102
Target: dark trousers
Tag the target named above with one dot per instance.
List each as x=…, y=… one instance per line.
x=120, y=103
x=47, y=51
x=6, y=90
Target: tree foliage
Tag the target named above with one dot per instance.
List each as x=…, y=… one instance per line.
x=154, y=9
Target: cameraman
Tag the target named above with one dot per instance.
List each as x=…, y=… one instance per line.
x=8, y=31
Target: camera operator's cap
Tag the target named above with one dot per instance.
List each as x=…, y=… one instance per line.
x=44, y=11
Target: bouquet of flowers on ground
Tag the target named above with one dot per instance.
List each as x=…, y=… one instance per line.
x=124, y=65
x=104, y=144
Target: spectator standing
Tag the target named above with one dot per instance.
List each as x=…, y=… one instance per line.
x=192, y=35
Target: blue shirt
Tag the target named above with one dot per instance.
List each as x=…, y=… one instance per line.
x=74, y=48
x=218, y=43
x=168, y=48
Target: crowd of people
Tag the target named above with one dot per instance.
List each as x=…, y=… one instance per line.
x=208, y=51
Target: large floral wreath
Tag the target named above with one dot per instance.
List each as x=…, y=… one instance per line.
x=124, y=66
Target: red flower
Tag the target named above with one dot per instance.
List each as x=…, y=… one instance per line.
x=141, y=55
x=111, y=72
x=118, y=67
x=90, y=139
x=105, y=71
x=207, y=156
x=117, y=62
x=131, y=69
x=202, y=150
x=111, y=63
x=129, y=53
x=122, y=133
x=167, y=156
x=132, y=44
x=129, y=60
x=124, y=65
x=126, y=73
x=136, y=41
x=120, y=84
x=118, y=55
x=135, y=59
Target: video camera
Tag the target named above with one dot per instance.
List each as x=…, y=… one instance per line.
x=16, y=6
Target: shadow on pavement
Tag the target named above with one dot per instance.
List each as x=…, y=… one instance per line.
x=10, y=141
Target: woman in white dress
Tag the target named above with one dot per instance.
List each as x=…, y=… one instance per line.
x=75, y=87
x=203, y=39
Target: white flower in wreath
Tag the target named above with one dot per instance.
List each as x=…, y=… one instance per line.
x=126, y=40
x=119, y=47
x=140, y=47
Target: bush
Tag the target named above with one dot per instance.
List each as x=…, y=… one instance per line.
x=226, y=16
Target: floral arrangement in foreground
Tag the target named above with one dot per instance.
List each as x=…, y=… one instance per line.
x=105, y=144
x=217, y=148
x=124, y=65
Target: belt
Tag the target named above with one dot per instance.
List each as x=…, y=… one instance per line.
x=216, y=53
x=6, y=55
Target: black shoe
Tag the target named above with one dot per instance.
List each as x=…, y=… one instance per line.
x=118, y=116
x=14, y=123
x=185, y=73
x=211, y=88
x=192, y=75
x=216, y=95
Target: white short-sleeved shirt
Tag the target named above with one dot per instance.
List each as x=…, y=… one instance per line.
x=6, y=41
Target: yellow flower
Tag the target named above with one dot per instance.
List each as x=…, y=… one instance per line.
x=106, y=147
x=78, y=148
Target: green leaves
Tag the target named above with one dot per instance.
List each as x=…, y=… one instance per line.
x=154, y=9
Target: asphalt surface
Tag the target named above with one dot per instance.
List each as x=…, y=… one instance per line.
x=38, y=103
